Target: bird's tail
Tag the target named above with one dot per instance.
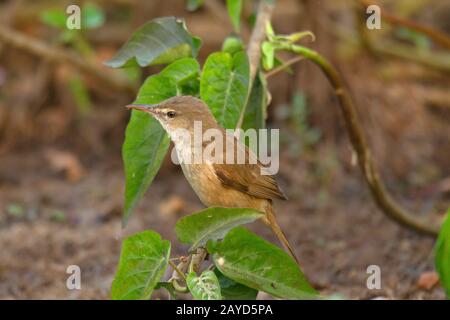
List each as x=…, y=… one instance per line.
x=271, y=221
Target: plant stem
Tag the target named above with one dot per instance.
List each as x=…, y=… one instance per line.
x=265, y=10
x=177, y=275
x=174, y=266
x=284, y=66
x=359, y=143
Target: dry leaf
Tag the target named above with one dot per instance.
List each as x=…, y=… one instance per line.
x=66, y=162
x=172, y=205
x=427, y=280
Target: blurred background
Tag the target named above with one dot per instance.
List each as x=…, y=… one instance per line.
x=61, y=130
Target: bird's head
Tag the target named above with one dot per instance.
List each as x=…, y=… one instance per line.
x=179, y=112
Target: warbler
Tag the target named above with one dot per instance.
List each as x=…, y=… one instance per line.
x=219, y=184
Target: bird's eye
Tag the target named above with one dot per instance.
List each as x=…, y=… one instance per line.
x=171, y=114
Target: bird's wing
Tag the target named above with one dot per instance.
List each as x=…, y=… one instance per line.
x=247, y=177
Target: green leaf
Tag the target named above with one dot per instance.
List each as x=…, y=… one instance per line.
x=159, y=41
x=232, y=45
x=256, y=109
x=193, y=5
x=143, y=261
x=234, y=11
x=212, y=224
x=224, y=86
x=258, y=264
x=268, y=51
x=92, y=16
x=231, y=290
x=442, y=252
x=146, y=142
x=54, y=18
x=269, y=31
x=204, y=287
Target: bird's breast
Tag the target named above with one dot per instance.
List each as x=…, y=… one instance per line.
x=203, y=180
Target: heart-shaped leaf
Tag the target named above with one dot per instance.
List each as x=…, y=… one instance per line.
x=159, y=41
x=212, y=224
x=258, y=264
x=146, y=142
x=142, y=263
x=224, y=86
x=204, y=287
x=442, y=252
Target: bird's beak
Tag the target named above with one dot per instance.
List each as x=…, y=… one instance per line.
x=149, y=108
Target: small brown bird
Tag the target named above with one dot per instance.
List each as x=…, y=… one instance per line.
x=218, y=184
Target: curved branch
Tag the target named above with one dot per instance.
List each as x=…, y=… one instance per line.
x=437, y=36
x=358, y=140
x=39, y=48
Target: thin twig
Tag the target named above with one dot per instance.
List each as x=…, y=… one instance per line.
x=437, y=60
x=264, y=14
x=284, y=66
x=358, y=140
x=41, y=49
x=438, y=37
x=265, y=11
x=180, y=273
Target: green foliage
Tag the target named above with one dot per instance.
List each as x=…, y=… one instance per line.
x=420, y=40
x=243, y=262
x=55, y=18
x=80, y=94
x=142, y=263
x=234, y=10
x=258, y=264
x=224, y=86
x=232, y=290
x=212, y=224
x=256, y=110
x=146, y=142
x=277, y=42
x=306, y=136
x=232, y=45
x=159, y=41
x=193, y=5
x=92, y=17
x=204, y=287
x=442, y=252
x=268, y=53
x=16, y=210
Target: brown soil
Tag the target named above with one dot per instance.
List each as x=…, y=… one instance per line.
x=337, y=232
